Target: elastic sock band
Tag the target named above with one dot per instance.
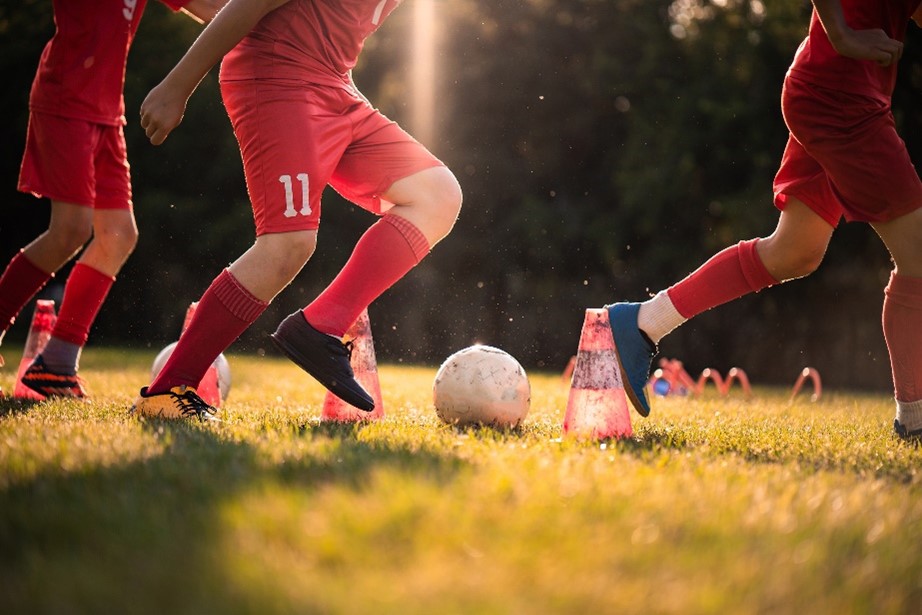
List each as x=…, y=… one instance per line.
x=757, y=276
x=238, y=300
x=415, y=238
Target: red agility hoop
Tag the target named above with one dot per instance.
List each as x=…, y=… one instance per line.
x=814, y=376
x=736, y=374
x=710, y=375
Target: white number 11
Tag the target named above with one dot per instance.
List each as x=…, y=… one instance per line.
x=290, y=211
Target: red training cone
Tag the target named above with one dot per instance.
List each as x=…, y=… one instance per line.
x=366, y=372
x=597, y=407
x=39, y=332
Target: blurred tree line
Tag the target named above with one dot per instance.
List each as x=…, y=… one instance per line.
x=605, y=148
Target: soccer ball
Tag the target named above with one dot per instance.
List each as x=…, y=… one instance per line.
x=220, y=364
x=481, y=385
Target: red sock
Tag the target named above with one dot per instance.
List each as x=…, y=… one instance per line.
x=383, y=255
x=84, y=292
x=728, y=275
x=18, y=284
x=902, y=320
x=223, y=313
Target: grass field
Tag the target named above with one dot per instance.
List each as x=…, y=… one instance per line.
x=717, y=505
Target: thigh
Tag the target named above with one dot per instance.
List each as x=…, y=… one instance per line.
x=380, y=154
x=290, y=138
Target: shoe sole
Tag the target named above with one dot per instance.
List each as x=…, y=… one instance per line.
x=323, y=376
x=628, y=389
x=625, y=380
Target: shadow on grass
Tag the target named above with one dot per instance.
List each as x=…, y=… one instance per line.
x=13, y=405
x=145, y=536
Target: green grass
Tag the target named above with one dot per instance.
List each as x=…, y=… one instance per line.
x=717, y=505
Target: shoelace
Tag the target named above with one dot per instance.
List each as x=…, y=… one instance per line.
x=349, y=346
x=190, y=404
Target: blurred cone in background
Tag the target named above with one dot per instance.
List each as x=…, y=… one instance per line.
x=597, y=407
x=215, y=384
x=43, y=321
x=365, y=367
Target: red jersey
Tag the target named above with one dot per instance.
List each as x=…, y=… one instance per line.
x=817, y=62
x=81, y=74
x=314, y=41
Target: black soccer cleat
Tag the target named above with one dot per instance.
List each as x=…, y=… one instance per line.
x=904, y=434
x=324, y=357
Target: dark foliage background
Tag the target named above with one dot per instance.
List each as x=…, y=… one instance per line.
x=605, y=147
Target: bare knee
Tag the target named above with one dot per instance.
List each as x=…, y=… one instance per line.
x=430, y=200
x=67, y=240
x=283, y=255
x=114, y=239
x=118, y=240
x=446, y=198
x=790, y=260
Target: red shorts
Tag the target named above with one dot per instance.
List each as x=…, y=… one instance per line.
x=297, y=138
x=844, y=157
x=76, y=161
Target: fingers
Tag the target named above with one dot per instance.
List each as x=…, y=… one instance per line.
x=888, y=51
x=156, y=128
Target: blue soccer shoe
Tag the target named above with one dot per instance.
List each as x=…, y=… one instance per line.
x=634, y=351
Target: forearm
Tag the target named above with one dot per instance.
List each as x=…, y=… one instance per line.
x=229, y=26
x=832, y=18
x=203, y=11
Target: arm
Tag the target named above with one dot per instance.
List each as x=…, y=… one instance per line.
x=872, y=45
x=917, y=16
x=164, y=106
x=203, y=11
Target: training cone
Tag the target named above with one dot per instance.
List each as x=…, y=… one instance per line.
x=597, y=407
x=366, y=372
x=39, y=332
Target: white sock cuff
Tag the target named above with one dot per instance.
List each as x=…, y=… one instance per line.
x=909, y=414
x=658, y=317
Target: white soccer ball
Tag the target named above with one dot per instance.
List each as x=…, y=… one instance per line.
x=481, y=385
x=221, y=364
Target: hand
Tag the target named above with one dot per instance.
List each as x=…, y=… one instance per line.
x=872, y=45
x=161, y=112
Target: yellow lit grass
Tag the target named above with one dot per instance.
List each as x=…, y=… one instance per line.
x=716, y=505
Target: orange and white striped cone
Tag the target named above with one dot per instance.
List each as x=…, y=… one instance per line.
x=43, y=320
x=365, y=367
x=597, y=407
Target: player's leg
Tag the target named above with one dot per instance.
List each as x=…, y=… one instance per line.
x=115, y=235
x=902, y=318
x=232, y=303
x=57, y=164
x=426, y=205
x=795, y=249
x=277, y=162
x=69, y=228
x=386, y=171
